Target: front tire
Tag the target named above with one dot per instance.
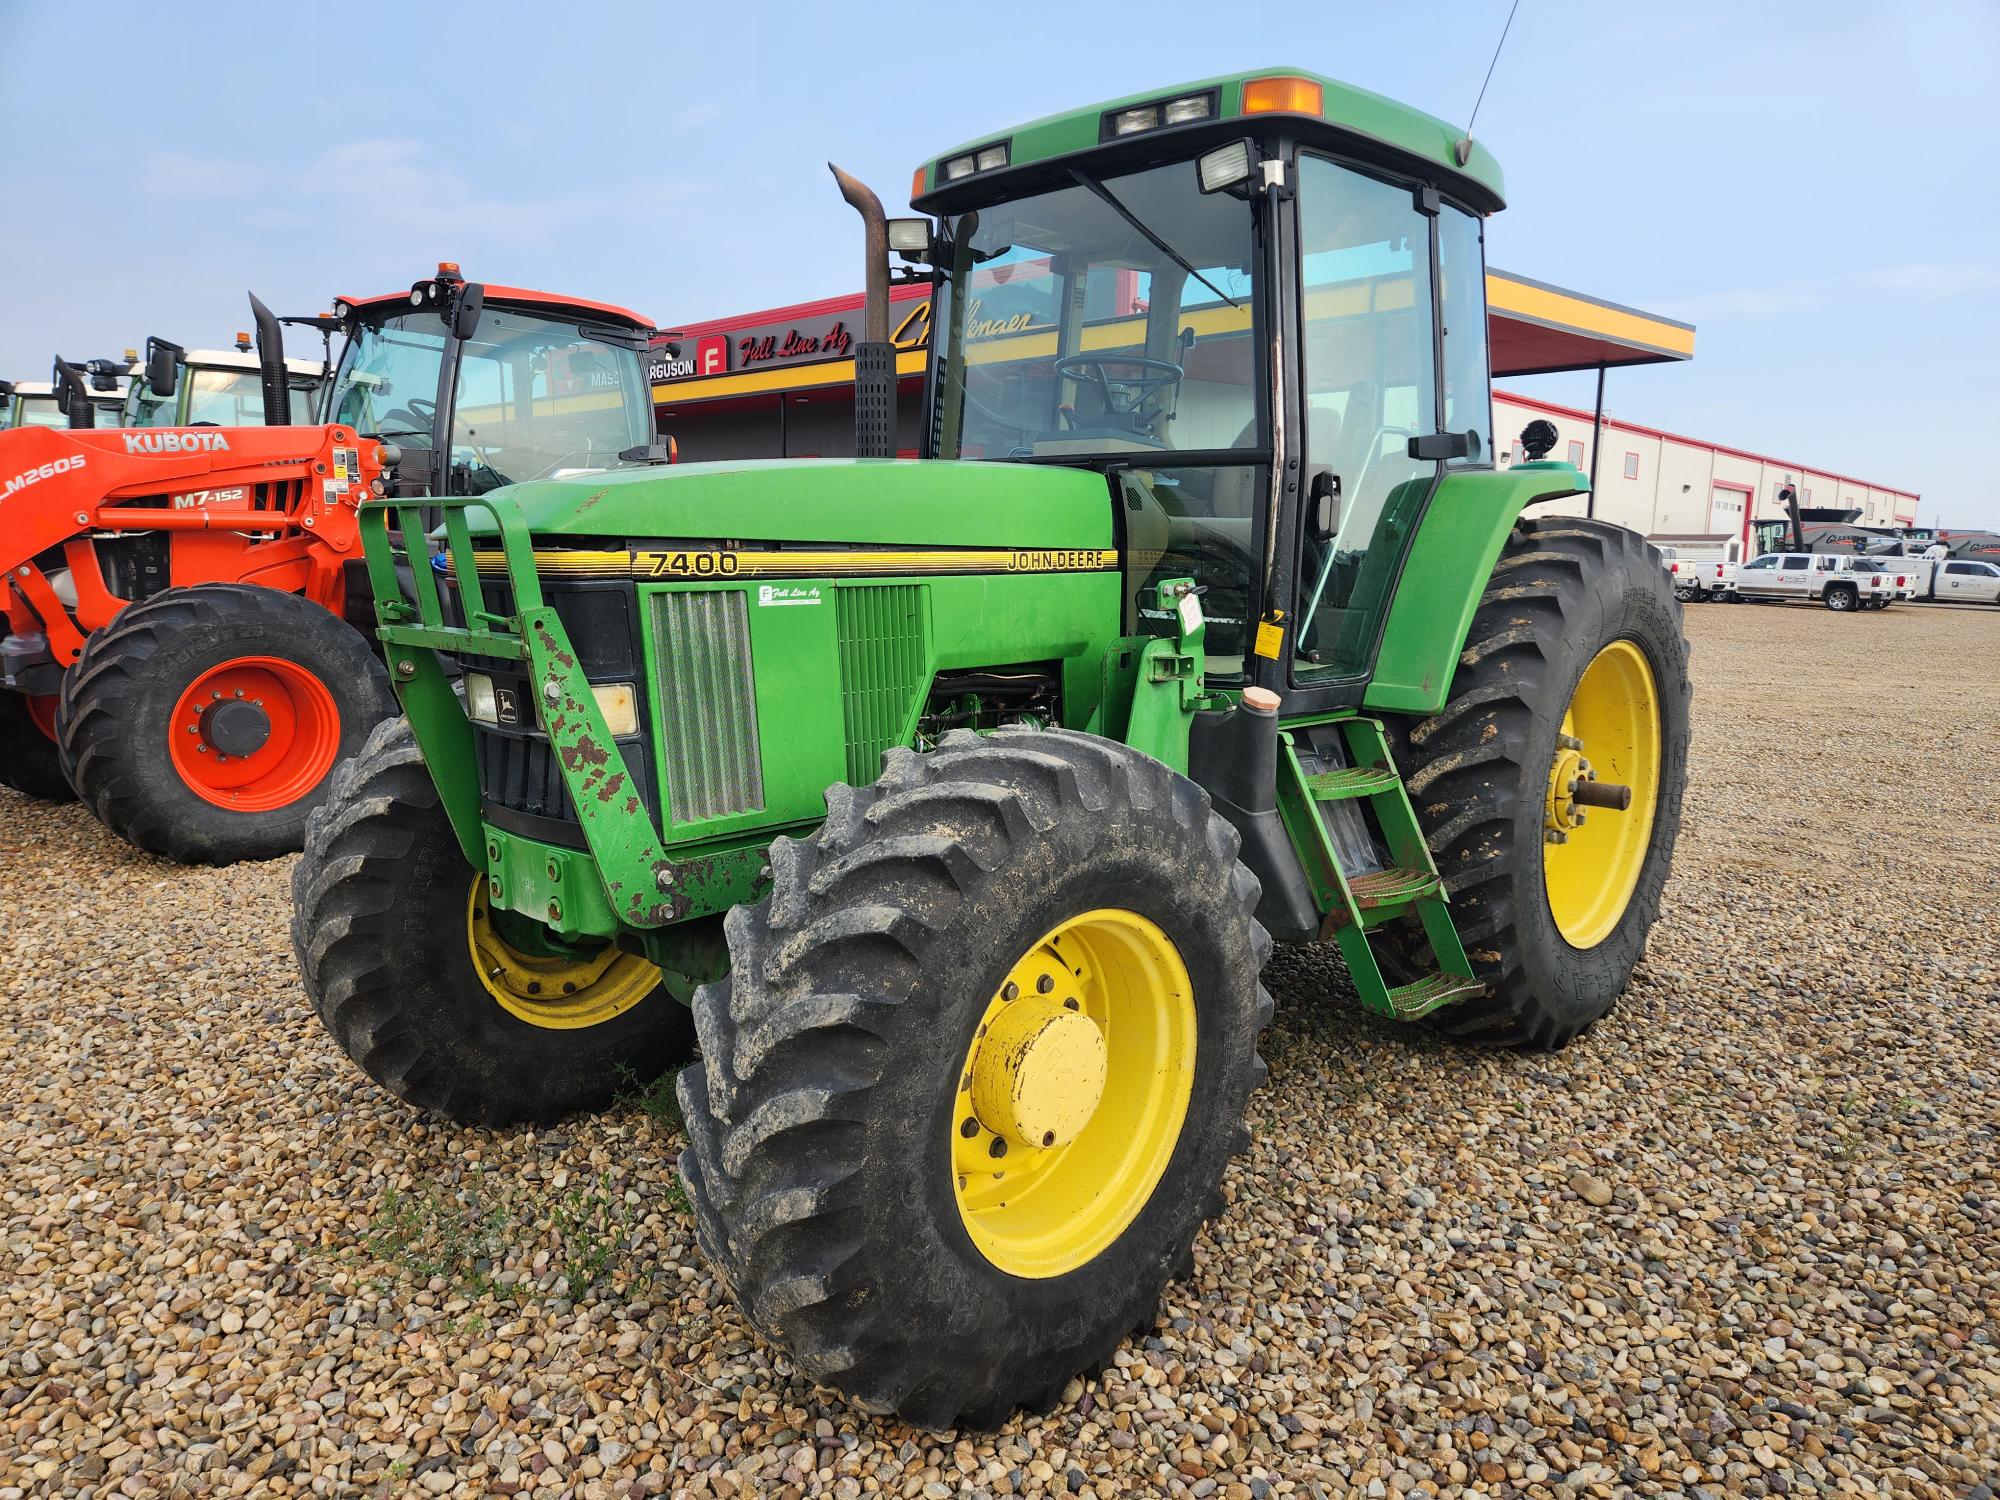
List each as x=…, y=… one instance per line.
x=1575, y=627
x=204, y=723
x=29, y=760
x=854, y=1102
x=406, y=965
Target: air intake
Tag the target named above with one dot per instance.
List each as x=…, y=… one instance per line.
x=708, y=703
x=881, y=669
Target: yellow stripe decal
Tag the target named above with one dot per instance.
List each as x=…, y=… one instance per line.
x=672, y=564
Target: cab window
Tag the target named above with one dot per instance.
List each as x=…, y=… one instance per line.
x=1796, y=564
x=1468, y=387
x=1370, y=386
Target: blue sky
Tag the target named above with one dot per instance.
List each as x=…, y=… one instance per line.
x=1812, y=184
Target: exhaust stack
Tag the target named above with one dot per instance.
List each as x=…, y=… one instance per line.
x=874, y=356
x=271, y=365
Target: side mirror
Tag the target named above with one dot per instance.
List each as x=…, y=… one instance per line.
x=465, y=322
x=1430, y=447
x=1323, y=506
x=163, y=366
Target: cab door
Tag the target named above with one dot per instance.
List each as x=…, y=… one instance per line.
x=1758, y=577
x=1794, y=579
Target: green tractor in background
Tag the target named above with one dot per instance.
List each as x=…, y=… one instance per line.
x=958, y=801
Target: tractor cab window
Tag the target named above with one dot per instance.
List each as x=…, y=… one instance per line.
x=1111, y=322
x=537, y=397
x=41, y=411
x=225, y=398
x=145, y=409
x=1370, y=370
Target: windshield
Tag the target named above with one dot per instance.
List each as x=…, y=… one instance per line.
x=1068, y=328
x=225, y=398
x=537, y=397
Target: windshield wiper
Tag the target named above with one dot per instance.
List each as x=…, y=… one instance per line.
x=1161, y=245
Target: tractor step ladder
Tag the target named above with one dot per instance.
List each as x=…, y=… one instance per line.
x=1357, y=904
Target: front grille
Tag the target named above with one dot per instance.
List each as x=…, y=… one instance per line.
x=519, y=772
x=881, y=669
x=708, y=704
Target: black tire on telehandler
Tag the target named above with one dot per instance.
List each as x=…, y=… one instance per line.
x=982, y=908
x=1567, y=596
x=288, y=686
x=29, y=761
x=406, y=964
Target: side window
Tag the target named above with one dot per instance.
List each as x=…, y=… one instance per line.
x=1370, y=386
x=1576, y=455
x=1795, y=564
x=1468, y=388
x=1961, y=568
x=1631, y=466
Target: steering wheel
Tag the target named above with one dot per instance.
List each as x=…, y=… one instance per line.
x=1163, y=373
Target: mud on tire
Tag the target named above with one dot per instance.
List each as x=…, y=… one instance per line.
x=1478, y=770
x=379, y=912
x=819, y=1123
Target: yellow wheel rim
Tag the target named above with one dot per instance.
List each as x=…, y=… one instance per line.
x=561, y=993
x=1592, y=855
x=1073, y=1093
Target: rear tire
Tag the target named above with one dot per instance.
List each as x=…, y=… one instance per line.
x=1564, y=592
x=29, y=760
x=382, y=914
x=825, y=1162
x=1841, y=599
x=125, y=722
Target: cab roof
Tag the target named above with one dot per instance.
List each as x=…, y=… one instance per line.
x=529, y=297
x=1370, y=122
x=237, y=359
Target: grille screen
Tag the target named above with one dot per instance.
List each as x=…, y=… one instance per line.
x=708, y=705
x=881, y=669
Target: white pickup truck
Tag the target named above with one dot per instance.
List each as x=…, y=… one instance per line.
x=1703, y=568
x=1954, y=580
x=1816, y=577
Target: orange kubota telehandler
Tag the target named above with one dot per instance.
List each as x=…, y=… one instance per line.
x=180, y=645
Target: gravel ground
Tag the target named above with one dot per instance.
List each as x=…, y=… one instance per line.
x=1744, y=1238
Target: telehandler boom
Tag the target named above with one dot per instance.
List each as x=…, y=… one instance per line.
x=962, y=799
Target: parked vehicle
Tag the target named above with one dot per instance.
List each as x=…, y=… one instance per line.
x=215, y=387
x=180, y=647
x=1881, y=581
x=1817, y=577
x=1965, y=581
x=962, y=800
x=1700, y=580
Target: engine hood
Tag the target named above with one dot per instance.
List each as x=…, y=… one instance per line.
x=909, y=501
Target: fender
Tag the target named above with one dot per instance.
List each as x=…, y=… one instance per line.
x=1444, y=574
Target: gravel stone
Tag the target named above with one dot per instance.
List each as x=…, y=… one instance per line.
x=1743, y=1238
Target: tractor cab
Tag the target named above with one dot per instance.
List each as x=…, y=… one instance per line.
x=214, y=387
x=1192, y=293
x=91, y=392
x=36, y=403
x=531, y=385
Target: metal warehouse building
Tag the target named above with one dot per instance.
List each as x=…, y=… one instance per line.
x=779, y=383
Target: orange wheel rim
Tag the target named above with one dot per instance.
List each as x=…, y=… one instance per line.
x=254, y=733
x=42, y=710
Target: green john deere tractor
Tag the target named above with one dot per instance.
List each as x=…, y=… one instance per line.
x=959, y=800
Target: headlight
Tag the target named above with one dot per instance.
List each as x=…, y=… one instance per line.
x=620, y=707
x=1132, y=121
x=1194, y=107
x=479, y=704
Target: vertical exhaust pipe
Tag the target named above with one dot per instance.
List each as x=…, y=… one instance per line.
x=73, y=396
x=874, y=356
x=271, y=365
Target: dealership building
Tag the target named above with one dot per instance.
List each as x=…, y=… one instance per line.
x=780, y=383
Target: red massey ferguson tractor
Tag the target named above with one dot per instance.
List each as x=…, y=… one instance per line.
x=178, y=649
